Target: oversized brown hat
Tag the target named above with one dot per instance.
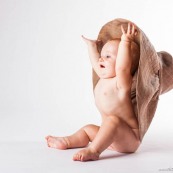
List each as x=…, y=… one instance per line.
x=153, y=77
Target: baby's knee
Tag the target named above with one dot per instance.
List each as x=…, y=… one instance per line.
x=90, y=127
x=114, y=120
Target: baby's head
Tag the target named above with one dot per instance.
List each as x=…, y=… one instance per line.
x=107, y=60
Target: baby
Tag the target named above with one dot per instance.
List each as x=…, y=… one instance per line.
x=119, y=129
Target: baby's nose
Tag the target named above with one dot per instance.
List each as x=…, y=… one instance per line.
x=101, y=59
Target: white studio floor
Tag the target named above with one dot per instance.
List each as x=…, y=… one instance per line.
x=154, y=155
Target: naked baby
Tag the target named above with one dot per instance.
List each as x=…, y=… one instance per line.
x=115, y=66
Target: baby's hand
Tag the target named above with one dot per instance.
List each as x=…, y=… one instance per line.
x=91, y=42
x=130, y=34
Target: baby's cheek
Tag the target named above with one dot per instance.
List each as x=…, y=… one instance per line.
x=113, y=65
x=112, y=69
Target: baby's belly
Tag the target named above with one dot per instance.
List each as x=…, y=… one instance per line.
x=106, y=106
x=113, y=105
x=121, y=109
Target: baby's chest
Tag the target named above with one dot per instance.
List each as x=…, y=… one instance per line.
x=105, y=89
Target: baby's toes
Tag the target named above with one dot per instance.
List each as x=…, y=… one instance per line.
x=77, y=157
x=47, y=137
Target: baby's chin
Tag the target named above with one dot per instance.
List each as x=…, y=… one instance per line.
x=107, y=76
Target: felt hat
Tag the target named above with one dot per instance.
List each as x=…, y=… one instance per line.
x=153, y=77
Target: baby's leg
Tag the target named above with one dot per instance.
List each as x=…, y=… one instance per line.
x=79, y=139
x=113, y=131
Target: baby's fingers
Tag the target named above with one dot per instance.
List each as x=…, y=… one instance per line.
x=122, y=29
x=133, y=29
x=129, y=28
x=84, y=38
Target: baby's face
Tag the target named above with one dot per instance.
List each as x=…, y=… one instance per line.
x=107, y=61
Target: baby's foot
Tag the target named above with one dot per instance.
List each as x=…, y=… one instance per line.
x=57, y=142
x=86, y=155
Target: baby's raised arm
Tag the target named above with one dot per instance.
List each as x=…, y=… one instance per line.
x=93, y=53
x=124, y=58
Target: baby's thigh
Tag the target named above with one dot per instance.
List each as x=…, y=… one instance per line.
x=126, y=139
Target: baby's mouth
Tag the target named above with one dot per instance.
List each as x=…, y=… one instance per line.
x=102, y=66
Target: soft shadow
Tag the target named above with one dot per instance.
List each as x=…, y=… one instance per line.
x=156, y=146
x=115, y=155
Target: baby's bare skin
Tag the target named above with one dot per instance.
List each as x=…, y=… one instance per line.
x=119, y=128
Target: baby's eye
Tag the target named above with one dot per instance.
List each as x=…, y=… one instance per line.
x=108, y=56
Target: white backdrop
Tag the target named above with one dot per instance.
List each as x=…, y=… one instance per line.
x=45, y=72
